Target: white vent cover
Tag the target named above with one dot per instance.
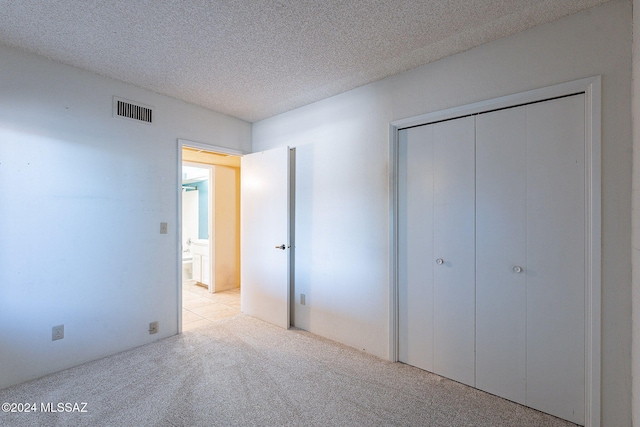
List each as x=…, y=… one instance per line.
x=126, y=109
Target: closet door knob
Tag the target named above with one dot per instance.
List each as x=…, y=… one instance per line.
x=439, y=261
x=517, y=269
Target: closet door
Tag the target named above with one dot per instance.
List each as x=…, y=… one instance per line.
x=454, y=250
x=415, y=249
x=531, y=255
x=436, y=248
x=556, y=257
x=501, y=213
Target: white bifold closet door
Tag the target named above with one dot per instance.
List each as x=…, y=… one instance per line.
x=437, y=248
x=492, y=252
x=530, y=254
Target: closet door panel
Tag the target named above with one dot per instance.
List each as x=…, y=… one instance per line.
x=415, y=246
x=556, y=257
x=501, y=190
x=454, y=245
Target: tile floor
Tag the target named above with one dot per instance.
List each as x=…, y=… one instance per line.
x=200, y=308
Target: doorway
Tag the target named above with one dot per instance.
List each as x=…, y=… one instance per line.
x=209, y=235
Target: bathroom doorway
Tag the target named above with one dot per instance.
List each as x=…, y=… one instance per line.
x=210, y=236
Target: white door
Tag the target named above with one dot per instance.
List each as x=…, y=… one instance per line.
x=265, y=236
x=454, y=250
x=436, y=248
x=415, y=246
x=531, y=252
x=556, y=254
x=501, y=213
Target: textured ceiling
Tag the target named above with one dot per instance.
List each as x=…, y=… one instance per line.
x=253, y=59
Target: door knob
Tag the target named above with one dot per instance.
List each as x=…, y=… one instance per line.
x=282, y=246
x=517, y=269
x=439, y=261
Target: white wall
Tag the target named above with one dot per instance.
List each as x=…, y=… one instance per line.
x=226, y=228
x=82, y=195
x=342, y=219
x=189, y=217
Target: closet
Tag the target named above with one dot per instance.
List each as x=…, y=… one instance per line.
x=492, y=252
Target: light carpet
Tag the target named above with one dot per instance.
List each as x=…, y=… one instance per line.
x=244, y=372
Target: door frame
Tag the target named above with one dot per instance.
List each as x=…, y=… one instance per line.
x=591, y=87
x=180, y=144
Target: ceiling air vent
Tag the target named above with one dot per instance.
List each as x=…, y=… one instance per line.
x=129, y=110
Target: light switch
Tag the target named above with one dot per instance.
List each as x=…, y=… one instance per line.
x=163, y=228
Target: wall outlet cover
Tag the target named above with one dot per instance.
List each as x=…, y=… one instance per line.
x=153, y=327
x=57, y=332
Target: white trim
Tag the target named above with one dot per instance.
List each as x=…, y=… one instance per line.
x=290, y=239
x=594, y=257
x=291, y=188
x=591, y=87
x=209, y=147
x=178, y=244
x=211, y=216
x=393, y=244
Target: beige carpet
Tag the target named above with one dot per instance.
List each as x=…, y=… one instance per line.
x=244, y=372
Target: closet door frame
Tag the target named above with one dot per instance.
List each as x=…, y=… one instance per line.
x=591, y=87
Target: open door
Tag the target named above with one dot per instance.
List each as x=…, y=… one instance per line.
x=265, y=235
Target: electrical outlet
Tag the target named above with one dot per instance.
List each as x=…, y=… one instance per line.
x=163, y=228
x=153, y=327
x=57, y=332
x=303, y=299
